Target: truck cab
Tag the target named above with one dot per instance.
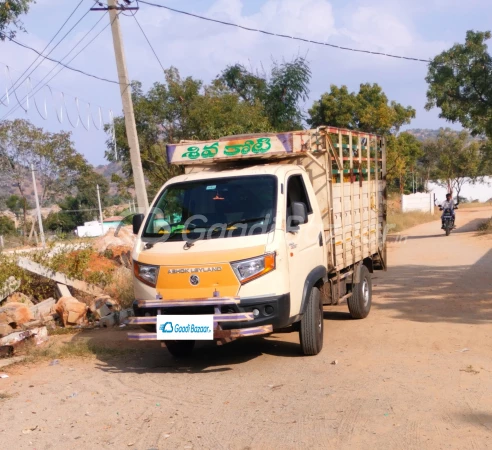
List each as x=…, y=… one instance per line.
x=243, y=246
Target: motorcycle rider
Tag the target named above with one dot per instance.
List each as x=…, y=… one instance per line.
x=448, y=204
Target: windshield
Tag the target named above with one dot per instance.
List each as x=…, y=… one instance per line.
x=214, y=208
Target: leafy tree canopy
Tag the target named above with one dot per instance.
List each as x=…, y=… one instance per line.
x=460, y=84
x=405, y=150
x=10, y=10
x=453, y=159
x=368, y=110
x=279, y=94
x=182, y=108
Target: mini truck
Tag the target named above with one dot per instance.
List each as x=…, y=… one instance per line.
x=258, y=234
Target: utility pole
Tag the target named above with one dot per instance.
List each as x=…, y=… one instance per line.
x=126, y=98
x=100, y=211
x=40, y=219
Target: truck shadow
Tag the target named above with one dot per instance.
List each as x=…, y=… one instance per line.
x=115, y=354
x=456, y=294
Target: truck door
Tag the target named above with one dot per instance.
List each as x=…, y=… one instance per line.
x=304, y=243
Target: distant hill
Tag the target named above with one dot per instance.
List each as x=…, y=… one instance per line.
x=423, y=133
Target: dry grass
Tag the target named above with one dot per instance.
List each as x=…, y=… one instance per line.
x=62, y=349
x=5, y=396
x=121, y=287
x=485, y=227
x=399, y=221
x=474, y=205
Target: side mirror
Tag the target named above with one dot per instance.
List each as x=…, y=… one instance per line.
x=298, y=216
x=137, y=221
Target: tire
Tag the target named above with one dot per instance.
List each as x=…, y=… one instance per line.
x=180, y=349
x=448, y=230
x=360, y=303
x=311, y=325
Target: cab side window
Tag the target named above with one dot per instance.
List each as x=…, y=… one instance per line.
x=296, y=192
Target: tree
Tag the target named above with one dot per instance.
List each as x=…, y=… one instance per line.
x=279, y=94
x=181, y=109
x=368, y=110
x=405, y=152
x=52, y=154
x=460, y=84
x=453, y=159
x=10, y=10
x=58, y=165
x=7, y=226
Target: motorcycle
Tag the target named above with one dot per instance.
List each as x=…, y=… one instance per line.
x=447, y=220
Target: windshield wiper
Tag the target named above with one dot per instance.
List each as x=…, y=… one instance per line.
x=235, y=222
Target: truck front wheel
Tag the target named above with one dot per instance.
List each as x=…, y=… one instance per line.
x=360, y=303
x=180, y=349
x=311, y=326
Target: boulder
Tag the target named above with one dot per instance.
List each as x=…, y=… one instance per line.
x=19, y=297
x=99, y=307
x=5, y=329
x=15, y=314
x=71, y=311
x=42, y=310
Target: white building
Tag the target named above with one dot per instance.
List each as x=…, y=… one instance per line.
x=479, y=191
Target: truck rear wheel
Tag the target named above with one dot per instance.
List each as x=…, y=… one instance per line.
x=360, y=303
x=311, y=326
x=180, y=349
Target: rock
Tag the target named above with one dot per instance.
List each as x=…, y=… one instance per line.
x=19, y=297
x=17, y=337
x=15, y=314
x=99, y=307
x=62, y=291
x=70, y=310
x=108, y=321
x=123, y=315
x=32, y=324
x=41, y=336
x=44, y=309
x=5, y=329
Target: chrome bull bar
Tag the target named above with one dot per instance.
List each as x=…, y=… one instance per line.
x=222, y=336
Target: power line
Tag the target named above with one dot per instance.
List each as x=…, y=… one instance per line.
x=296, y=38
x=49, y=43
x=59, y=62
x=147, y=39
x=36, y=89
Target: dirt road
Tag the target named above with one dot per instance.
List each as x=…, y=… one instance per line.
x=416, y=374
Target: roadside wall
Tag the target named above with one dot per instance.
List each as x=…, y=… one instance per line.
x=418, y=202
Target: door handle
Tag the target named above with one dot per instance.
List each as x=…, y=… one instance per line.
x=320, y=239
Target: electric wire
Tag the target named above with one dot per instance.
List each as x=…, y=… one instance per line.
x=64, y=65
x=148, y=41
x=36, y=88
x=43, y=57
x=296, y=38
x=47, y=45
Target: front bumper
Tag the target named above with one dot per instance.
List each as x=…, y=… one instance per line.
x=233, y=317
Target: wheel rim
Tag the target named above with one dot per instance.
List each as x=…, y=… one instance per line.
x=365, y=292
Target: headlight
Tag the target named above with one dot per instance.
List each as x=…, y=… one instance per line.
x=146, y=273
x=249, y=269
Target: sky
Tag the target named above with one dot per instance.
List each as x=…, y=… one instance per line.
x=418, y=28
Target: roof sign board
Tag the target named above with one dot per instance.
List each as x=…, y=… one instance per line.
x=236, y=147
